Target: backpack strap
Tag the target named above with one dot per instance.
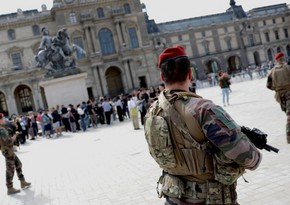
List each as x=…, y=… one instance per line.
x=178, y=121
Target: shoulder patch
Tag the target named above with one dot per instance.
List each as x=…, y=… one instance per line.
x=224, y=117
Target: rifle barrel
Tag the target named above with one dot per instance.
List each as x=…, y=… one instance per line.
x=271, y=148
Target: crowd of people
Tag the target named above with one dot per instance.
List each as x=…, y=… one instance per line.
x=54, y=121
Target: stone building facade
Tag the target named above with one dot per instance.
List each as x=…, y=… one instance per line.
x=123, y=45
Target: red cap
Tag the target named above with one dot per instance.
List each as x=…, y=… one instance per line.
x=279, y=55
x=171, y=53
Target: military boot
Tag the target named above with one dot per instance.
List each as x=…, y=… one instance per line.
x=24, y=184
x=12, y=190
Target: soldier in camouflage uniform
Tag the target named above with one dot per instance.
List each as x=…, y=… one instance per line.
x=279, y=81
x=7, y=138
x=206, y=151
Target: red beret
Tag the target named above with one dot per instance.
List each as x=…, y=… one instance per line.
x=171, y=53
x=279, y=55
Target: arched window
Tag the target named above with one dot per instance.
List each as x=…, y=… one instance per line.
x=127, y=9
x=133, y=38
x=279, y=49
x=106, y=41
x=25, y=99
x=100, y=12
x=11, y=34
x=35, y=30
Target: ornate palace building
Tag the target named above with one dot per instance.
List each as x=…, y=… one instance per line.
x=123, y=44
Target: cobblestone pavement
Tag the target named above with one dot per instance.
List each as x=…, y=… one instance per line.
x=110, y=165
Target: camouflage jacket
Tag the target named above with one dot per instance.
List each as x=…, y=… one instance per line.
x=279, y=78
x=222, y=131
x=6, y=137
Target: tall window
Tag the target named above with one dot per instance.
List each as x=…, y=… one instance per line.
x=73, y=17
x=264, y=23
x=127, y=9
x=11, y=34
x=79, y=42
x=251, y=40
x=267, y=37
x=286, y=33
x=279, y=49
x=229, y=44
x=100, y=12
x=288, y=50
x=16, y=60
x=203, y=33
x=106, y=41
x=270, y=55
x=35, y=30
x=274, y=21
x=226, y=29
x=283, y=19
x=133, y=37
x=180, y=37
x=206, y=47
x=277, y=35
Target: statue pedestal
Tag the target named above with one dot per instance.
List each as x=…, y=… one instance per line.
x=67, y=90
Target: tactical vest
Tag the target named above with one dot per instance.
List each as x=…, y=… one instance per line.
x=4, y=144
x=281, y=77
x=184, y=154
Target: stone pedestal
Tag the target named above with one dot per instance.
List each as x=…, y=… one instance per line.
x=67, y=90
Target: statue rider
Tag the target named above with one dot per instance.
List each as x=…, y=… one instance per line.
x=48, y=46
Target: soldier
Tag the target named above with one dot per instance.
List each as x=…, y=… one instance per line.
x=200, y=148
x=279, y=81
x=7, y=138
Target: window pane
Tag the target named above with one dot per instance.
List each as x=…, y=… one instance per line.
x=35, y=30
x=79, y=42
x=16, y=60
x=127, y=8
x=133, y=38
x=106, y=41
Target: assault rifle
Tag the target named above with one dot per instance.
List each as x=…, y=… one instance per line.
x=258, y=138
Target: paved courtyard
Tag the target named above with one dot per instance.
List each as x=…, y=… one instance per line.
x=110, y=165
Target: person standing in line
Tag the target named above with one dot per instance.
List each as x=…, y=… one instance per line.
x=82, y=115
x=279, y=81
x=92, y=114
x=56, y=121
x=200, y=148
x=224, y=83
x=107, y=110
x=133, y=109
x=119, y=107
x=8, y=135
x=72, y=120
x=47, y=123
x=39, y=120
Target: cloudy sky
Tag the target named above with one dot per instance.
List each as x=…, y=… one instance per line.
x=160, y=10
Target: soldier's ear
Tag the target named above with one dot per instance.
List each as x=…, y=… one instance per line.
x=190, y=74
x=161, y=77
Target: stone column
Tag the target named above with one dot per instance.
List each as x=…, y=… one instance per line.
x=119, y=34
x=88, y=39
x=10, y=99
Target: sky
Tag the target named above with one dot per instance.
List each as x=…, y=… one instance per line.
x=159, y=10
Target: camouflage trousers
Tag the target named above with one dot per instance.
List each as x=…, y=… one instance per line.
x=174, y=201
x=12, y=163
x=288, y=120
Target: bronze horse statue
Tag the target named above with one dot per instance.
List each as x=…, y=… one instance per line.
x=58, y=52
